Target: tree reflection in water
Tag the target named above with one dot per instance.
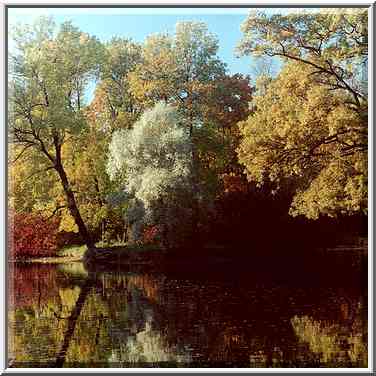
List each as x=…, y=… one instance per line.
x=148, y=347
x=72, y=318
x=335, y=344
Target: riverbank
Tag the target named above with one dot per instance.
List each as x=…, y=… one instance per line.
x=285, y=265
x=50, y=260
x=149, y=255
x=68, y=254
x=109, y=255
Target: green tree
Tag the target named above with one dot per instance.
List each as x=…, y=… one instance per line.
x=48, y=75
x=114, y=105
x=176, y=68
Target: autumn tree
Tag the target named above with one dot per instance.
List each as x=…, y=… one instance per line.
x=310, y=123
x=184, y=70
x=36, y=188
x=114, y=106
x=304, y=133
x=27, y=191
x=226, y=102
x=333, y=43
x=175, y=68
x=85, y=162
x=49, y=72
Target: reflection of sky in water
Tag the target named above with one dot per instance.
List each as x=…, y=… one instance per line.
x=128, y=320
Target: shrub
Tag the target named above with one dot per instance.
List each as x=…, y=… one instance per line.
x=31, y=235
x=150, y=235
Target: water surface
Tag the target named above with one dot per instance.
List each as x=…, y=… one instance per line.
x=64, y=316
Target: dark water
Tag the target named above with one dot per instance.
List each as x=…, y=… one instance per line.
x=221, y=316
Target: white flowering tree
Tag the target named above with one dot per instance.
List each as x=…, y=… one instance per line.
x=154, y=162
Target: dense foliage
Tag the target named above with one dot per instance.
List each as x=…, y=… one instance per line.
x=333, y=42
x=176, y=150
x=49, y=71
x=155, y=161
x=305, y=132
x=31, y=235
x=310, y=123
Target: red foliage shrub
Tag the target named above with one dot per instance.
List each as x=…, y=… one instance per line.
x=150, y=235
x=31, y=235
x=234, y=183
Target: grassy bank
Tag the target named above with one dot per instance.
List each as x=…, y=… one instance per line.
x=114, y=253
x=67, y=254
x=150, y=254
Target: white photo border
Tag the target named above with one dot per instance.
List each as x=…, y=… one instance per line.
x=5, y=5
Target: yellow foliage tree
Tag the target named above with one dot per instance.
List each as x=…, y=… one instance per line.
x=304, y=131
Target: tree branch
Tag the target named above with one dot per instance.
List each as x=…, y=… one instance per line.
x=29, y=145
x=56, y=210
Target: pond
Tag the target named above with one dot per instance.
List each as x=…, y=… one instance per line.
x=64, y=316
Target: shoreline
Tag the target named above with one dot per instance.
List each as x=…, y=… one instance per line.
x=49, y=260
x=154, y=255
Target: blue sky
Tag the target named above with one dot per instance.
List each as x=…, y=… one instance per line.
x=138, y=23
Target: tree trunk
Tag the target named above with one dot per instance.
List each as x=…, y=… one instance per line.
x=72, y=321
x=72, y=205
